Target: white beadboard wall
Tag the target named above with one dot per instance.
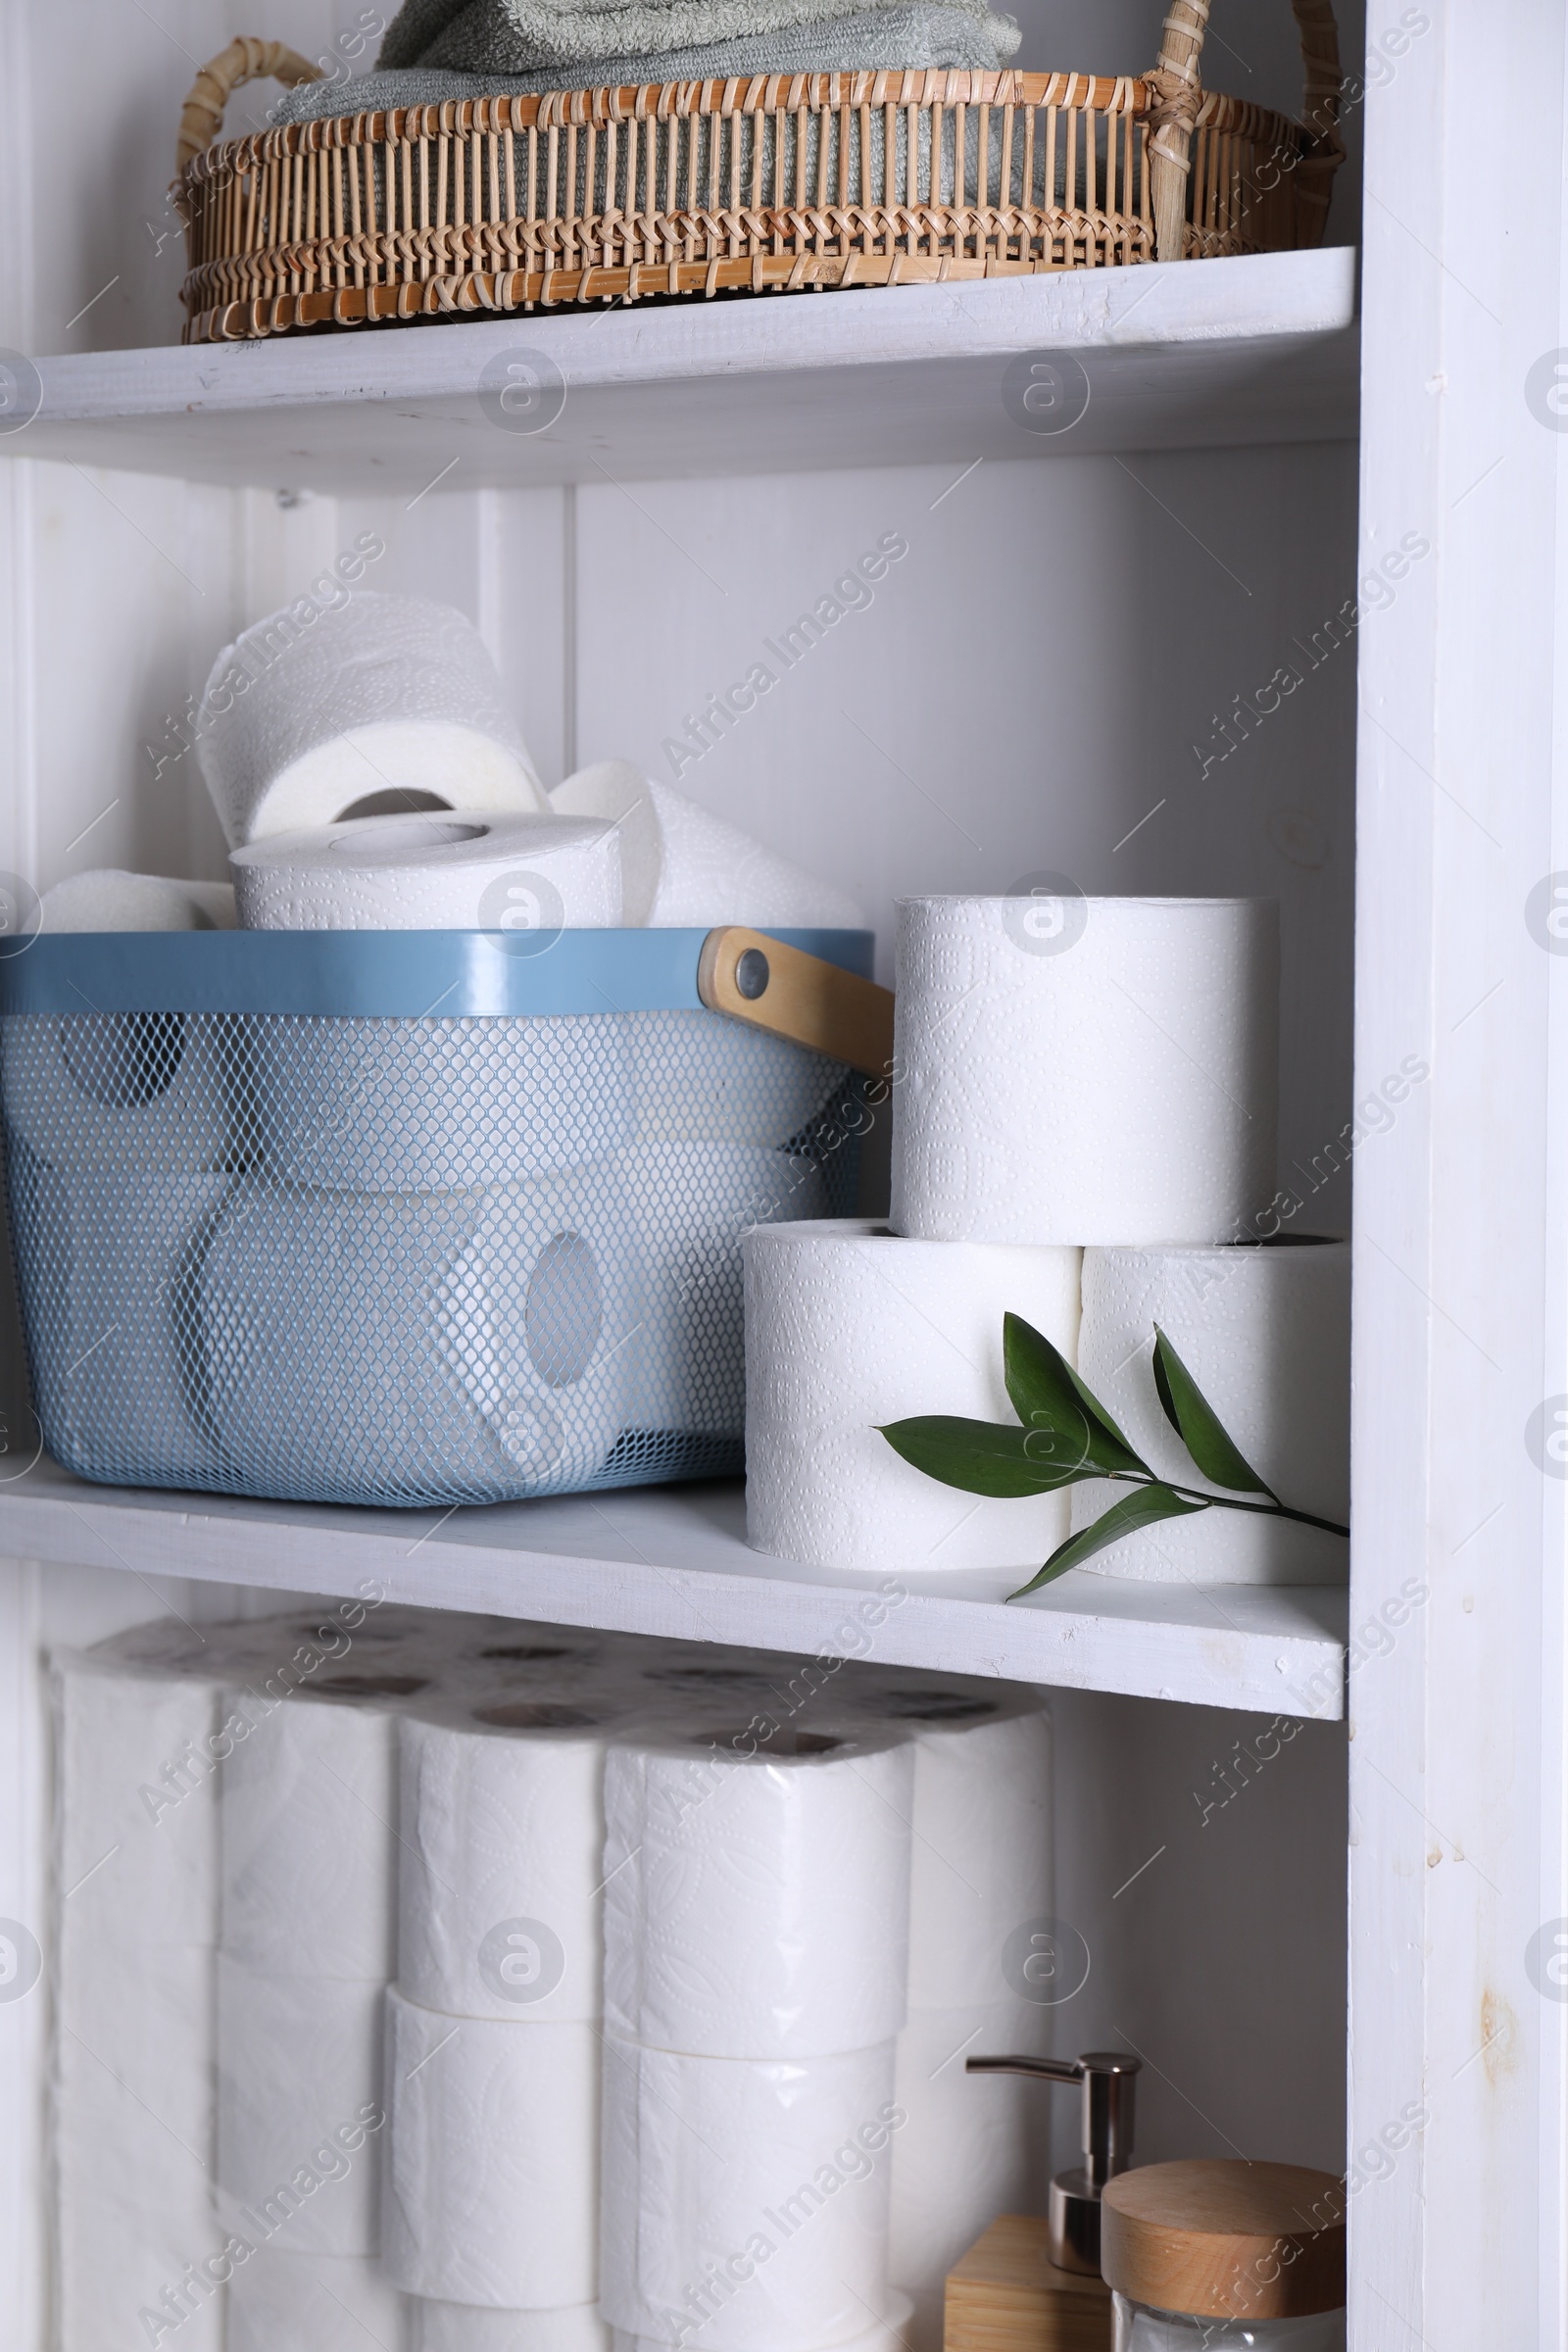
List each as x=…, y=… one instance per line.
x=1026, y=687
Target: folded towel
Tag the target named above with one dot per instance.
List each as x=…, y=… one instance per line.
x=638, y=40
x=930, y=33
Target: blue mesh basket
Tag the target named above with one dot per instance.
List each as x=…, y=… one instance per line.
x=399, y=1217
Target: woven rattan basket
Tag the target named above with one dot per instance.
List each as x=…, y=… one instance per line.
x=765, y=185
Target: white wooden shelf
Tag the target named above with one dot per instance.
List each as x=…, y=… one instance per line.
x=673, y=1561
x=1178, y=355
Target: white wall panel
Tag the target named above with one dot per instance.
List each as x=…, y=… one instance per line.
x=1045, y=667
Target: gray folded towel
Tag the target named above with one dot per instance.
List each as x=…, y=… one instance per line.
x=517, y=37
x=931, y=32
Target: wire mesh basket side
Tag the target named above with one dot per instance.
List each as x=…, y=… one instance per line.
x=398, y=1261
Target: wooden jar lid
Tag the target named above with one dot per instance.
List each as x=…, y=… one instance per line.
x=1221, y=2239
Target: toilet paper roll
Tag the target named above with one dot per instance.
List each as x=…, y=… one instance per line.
x=700, y=1078
x=372, y=1105
x=411, y=1343
x=983, y=1854
x=118, y=2255
x=467, y=2327
x=756, y=1899
x=1265, y=1331
x=452, y=870
x=156, y=1092
x=746, y=2200
x=502, y=1857
x=686, y=868
x=132, y=2110
x=298, y=2108
x=970, y=2146
x=1108, y=1076
x=133, y=2072
x=311, y=712
x=114, y=1299
x=136, y=1821
x=491, y=2182
x=690, y=1206
x=310, y=1842
x=848, y=1327
x=982, y=1849
x=108, y=899
x=313, y=2303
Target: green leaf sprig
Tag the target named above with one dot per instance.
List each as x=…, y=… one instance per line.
x=1065, y=1434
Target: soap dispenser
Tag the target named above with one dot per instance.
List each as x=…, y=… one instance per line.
x=1106, y=2080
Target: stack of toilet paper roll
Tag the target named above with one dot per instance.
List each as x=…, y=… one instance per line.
x=136, y=1903
x=493, y=2041
x=982, y=1882
x=1084, y=1121
x=308, y=1936
x=757, y=1910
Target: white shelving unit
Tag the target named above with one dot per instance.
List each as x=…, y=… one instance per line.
x=672, y=1561
x=1051, y=679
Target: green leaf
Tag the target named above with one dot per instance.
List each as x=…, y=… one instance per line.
x=1144, y=1509
x=987, y=1457
x=1198, y=1426
x=1047, y=1394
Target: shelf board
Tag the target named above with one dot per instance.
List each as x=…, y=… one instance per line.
x=1178, y=355
x=673, y=1561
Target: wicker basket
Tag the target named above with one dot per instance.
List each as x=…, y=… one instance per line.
x=765, y=185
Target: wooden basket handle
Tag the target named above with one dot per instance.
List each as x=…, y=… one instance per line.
x=246, y=59
x=791, y=995
x=1178, y=94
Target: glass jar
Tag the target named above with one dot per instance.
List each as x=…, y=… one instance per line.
x=1139, y=2327
x=1211, y=2253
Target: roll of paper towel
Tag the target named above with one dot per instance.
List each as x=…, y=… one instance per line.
x=298, y=2108
x=1265, y=1329
x=685, y=868
x=690, y=1206
x=717, y=2167
x=378, y=698
x=700, y=1078
x=757, y=1899
x=469, y=2327
x=492, y=2159
x=111, y=1333
x=1108, y=1077
x=107, y=899
x=970, y=2146
x=982, y=1855
x=455, y=870
x=451, y=1340
x=313, y=2303
x=308, y=1842
x=156, y=1092
x=848, y=1327
x=891, y=2334
x=372, y=1106
x=502, y=1858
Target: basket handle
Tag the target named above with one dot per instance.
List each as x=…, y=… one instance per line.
x=798, y=996
x=1178, y=94
x=246, y=59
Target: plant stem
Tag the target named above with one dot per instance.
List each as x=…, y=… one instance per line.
x=1226, y=1502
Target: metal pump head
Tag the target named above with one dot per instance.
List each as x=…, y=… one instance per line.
x=1108, y=2080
